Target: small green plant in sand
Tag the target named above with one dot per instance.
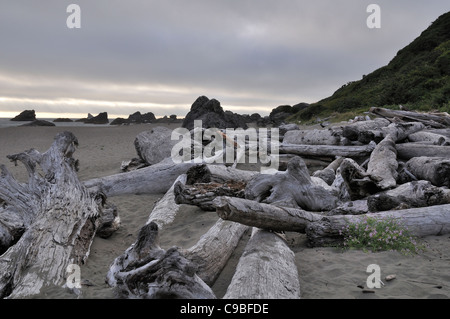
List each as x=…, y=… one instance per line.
x=378, y=234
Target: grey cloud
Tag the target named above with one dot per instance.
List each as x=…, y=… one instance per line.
x=247, y=53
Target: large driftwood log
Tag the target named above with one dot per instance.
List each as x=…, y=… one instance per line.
x=382, y=166
x=327, y=150
x=292, y=188
x=266, y=270
x=412, y=194
x=155, y=179
x=313, y=137
x=60, y=215
x=423, y=221
x=145, y=271
x=433, y=169
x=166, y=209
x=214, y=248
x=406, y=151
x=436, y=120
x=398, y=132
x=266, y=216
x=433, y=138
x=353, y=131
x=324, y=230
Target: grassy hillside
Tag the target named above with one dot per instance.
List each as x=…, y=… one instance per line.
x=417, y=77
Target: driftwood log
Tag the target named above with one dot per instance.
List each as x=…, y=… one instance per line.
x=313, y=137
x=434, y=169
x=154, y=179
x=266, y=270
x=406, y=151
x=214, y=248
x=292, y=188
x=327, y=150
x=382, y=166
x=266, y=216
x=413, y=194
x=422, y=221
x=326, y=230
x=354, y=131
x=436, y=120
x=59, y=215
x=146, y=271
x=433, y=138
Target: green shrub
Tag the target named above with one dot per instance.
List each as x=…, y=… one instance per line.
x=378, y=234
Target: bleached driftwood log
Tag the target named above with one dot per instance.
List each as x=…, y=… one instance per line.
x=327, y=150
x=154, y=179
x=382, y=166
x=266, y=270
x=406, y=151
x=433, y=169
x=313, y=137
x=323, y=230
x=413, y=194
x=355, y=130
x=433, y=138
x=436, y=120
x=398, y=131
x=60, y=215
x=146, y=271
x=214, y=248
x=423, y=221
x=166, y=209
x=266, y=216
x=292, y=188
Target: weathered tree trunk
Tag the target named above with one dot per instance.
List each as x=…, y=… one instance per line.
x=155, y=179
x=145, y=271
x=433, y=138
x=12, y=226
x=423, y=221
x=358, y=183
x=266, y=270
x=202, y=194
x=214, y=248
x=166, y=209
x=413, y=194
x=433, y=169
x=292, y=188
x=353, y=131
x=327, y=150
x=407, y=151
x=382, y=166
x=60, y=216
x=436, y=120
x=266, y=216
x=313, y=137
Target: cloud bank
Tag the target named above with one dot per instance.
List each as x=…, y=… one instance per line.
x=159, y=56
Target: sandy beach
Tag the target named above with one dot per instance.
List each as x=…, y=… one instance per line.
x=323, y=272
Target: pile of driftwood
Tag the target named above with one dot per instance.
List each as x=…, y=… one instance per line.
x=396, y=165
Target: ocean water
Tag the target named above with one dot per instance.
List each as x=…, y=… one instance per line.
x=6, y=122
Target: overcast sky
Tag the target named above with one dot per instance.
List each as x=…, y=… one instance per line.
x=159, y=56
